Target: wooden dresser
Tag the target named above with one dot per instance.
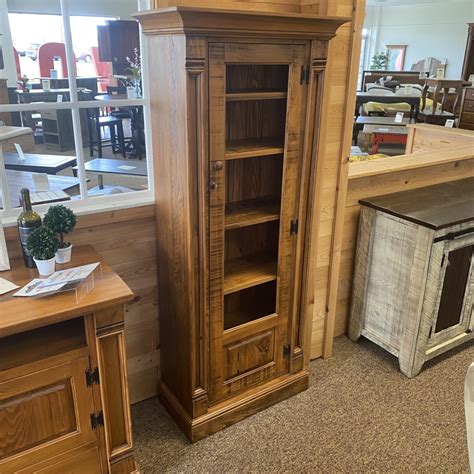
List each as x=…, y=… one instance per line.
x=466, y=119
x=63, y=389
x=413, y=278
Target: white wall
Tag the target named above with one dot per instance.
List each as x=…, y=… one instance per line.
x=437, y=29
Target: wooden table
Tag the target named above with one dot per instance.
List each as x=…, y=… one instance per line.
x=101, y=166
x=362, y=120
x=63, y=385
x=50, y=164
x=412, y=100
x=381, y=134
x=23, y=179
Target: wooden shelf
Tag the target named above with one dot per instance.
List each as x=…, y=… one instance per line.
x=251, y=212
x=238, y=149
x=255, y=95
x=241, y=273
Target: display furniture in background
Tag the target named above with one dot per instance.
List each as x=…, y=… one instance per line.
x=117, y=40
x=48, y=53
x=234, y=258
x=434, y=154
x=466, y=119
x=468, y=63
x=440, y=89
x=429, y=66
x=400, y=77
x=64, y=403
x=413, y=275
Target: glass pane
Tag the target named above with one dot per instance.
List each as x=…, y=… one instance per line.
x=114, y=149
x=42, y=157
x=34, y=45
x=107, y=50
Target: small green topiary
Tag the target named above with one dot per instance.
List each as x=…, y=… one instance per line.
x=42, y=243
x=60, y=220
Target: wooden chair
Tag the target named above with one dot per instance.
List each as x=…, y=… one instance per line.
x=440, y=90
x=469, y=409
x=95, y=124
x=47, y=52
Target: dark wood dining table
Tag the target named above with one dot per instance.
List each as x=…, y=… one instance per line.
x=36, y=163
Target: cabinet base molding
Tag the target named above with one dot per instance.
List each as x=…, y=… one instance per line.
x=235, y=409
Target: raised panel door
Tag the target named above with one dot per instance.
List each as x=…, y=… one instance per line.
x=257, y=107
x=44, y=414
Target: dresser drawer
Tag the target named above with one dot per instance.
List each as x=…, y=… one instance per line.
x=468, y=105
x=469, y=94
x=467, y=117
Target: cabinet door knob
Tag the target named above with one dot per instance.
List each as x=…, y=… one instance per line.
x=213, y=185
x=217, y=166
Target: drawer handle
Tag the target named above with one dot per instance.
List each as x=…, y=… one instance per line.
x=213, y=185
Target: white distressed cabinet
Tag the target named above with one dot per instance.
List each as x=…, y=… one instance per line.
x=413, y=277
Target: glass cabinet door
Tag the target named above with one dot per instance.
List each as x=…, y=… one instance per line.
x=256, y=140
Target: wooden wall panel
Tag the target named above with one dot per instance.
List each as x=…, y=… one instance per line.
x=427, y=172
x=335, y=137
x=126, y=240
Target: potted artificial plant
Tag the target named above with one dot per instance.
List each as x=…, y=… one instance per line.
x=61, y=220
x=42, y=244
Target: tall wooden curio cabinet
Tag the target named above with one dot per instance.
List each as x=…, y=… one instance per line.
x=236, y=108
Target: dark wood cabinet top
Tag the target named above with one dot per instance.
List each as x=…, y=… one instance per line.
x=436, y=207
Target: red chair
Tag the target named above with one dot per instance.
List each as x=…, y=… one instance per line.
x=17, y=64
x=102, y=70
x=46, y=54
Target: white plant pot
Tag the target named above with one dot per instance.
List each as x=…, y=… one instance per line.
x=64, y=255
x=45, y=267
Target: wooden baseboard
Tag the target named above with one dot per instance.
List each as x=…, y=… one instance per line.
x=235, y=409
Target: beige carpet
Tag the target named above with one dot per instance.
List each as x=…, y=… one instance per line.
x=360, y=414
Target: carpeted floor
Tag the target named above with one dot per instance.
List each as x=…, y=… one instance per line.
x=360, y=414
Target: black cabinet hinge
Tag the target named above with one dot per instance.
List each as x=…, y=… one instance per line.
x=294, y=227
x=286, y=350
x=304, y=78
x=97, y=420
x=92, y=376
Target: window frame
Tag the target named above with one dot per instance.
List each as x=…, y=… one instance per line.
x=85, y=204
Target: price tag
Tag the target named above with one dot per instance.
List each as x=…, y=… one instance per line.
x=41, y=181
x=19, y=150
x=399, y=117
x=449, y=123
x=59, y=98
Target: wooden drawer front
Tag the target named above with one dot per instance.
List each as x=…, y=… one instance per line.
x=113, y=382
x=469, y=94
x=468, y=117
x=44, y=414
x=249, y=361
x=468, y=105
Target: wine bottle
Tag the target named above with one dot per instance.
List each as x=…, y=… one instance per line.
x=28, y=221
